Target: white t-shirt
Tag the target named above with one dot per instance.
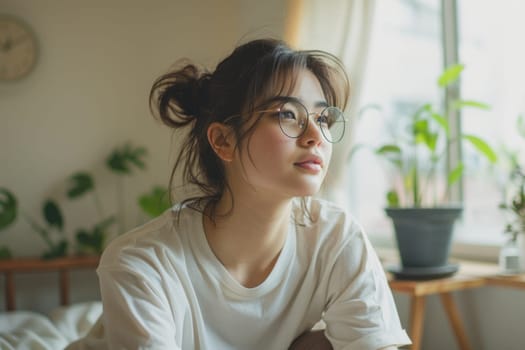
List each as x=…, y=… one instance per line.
x=163, y=288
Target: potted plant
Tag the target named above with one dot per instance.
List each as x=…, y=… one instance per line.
x=511, y=257
x=418, y=203
x=122, y=161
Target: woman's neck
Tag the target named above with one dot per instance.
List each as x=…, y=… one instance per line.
x=248, y=239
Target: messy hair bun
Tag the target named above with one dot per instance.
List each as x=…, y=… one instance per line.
x=182, y=95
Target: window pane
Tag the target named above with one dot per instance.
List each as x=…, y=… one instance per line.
x=492, y=48
x=404, y=63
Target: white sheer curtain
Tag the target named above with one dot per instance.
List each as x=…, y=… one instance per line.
x=343, y=28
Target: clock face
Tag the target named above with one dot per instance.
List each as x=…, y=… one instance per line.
x=18, y=48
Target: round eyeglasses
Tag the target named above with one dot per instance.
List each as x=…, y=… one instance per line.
x=294, y=118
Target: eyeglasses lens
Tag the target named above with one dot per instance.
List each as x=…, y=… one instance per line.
x=293, y=118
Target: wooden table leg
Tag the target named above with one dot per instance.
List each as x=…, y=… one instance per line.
x=455, y=321
x=10, y=298
x=64, y=287
x=417, y=318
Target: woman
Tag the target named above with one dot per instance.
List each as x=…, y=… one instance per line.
x=252, y=262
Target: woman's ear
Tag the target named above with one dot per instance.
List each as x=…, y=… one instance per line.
x=222, y=141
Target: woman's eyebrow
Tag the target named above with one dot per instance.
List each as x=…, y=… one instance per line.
x=317, y=104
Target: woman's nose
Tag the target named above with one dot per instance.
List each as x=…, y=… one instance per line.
x=313, y=134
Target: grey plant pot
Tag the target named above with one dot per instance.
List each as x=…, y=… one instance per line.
x=424, y=235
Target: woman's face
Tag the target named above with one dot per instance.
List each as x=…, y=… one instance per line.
x=275, y=164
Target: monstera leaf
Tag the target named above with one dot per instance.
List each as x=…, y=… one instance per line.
x=57, y=250
x=123, y=160
x=155, y=202
x=94, y=240
x=81, y=183
x=8, y=208
x=53, y=215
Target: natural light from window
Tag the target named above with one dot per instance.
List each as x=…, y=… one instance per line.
x=492, y=48
x=405, y=59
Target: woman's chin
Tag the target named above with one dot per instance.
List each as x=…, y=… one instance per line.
x=310, y=190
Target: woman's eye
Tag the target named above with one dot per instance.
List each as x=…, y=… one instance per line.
x=324, y=120
x=287, y=115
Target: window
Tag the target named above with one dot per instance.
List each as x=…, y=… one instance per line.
x=405, y=59
x=492, y=48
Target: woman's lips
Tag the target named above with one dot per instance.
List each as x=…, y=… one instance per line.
x=313, y=165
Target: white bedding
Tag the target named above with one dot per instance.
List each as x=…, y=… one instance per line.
x=33, y=331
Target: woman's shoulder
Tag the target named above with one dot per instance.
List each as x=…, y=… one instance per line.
x=333, y=236
x=158, y=236
x=324, y=214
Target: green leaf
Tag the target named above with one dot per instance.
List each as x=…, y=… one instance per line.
x=57, y=251
x=8, y=208
x=482, y=147
x=421, y=126
x=392, y=153
x=123, y=160
x=415, y=186
x=392, y=199
x=81, y=183
x=386, y=149
x=83, y=237
x=450, y=75
x=474, y=104
x=426, y=108
x=53, y=215
x=105, y=224
x=455, y=174
x=421, y=138
x=155, y=202
x=442, y=121
x=431, y=141
x=5, y=253
x=94, y=240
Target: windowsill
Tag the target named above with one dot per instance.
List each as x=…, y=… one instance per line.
x=462, y=248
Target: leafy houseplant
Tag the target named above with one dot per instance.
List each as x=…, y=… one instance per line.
x=516, y=202
x=514, y=205
x=122, y=161
x=52, y=216
x=418, y=207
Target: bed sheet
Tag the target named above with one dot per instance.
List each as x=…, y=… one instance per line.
x=35, y=331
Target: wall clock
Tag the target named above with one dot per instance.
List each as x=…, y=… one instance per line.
x=18, y=48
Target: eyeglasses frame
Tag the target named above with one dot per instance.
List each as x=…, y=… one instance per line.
x=305, y=127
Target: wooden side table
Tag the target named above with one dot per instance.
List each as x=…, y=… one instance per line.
x=516, y=281
x=418, y=290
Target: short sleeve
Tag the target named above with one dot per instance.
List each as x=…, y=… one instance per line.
x=361, y=313
x=136, y=315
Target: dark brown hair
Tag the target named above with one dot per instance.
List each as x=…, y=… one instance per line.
x=240, y=84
